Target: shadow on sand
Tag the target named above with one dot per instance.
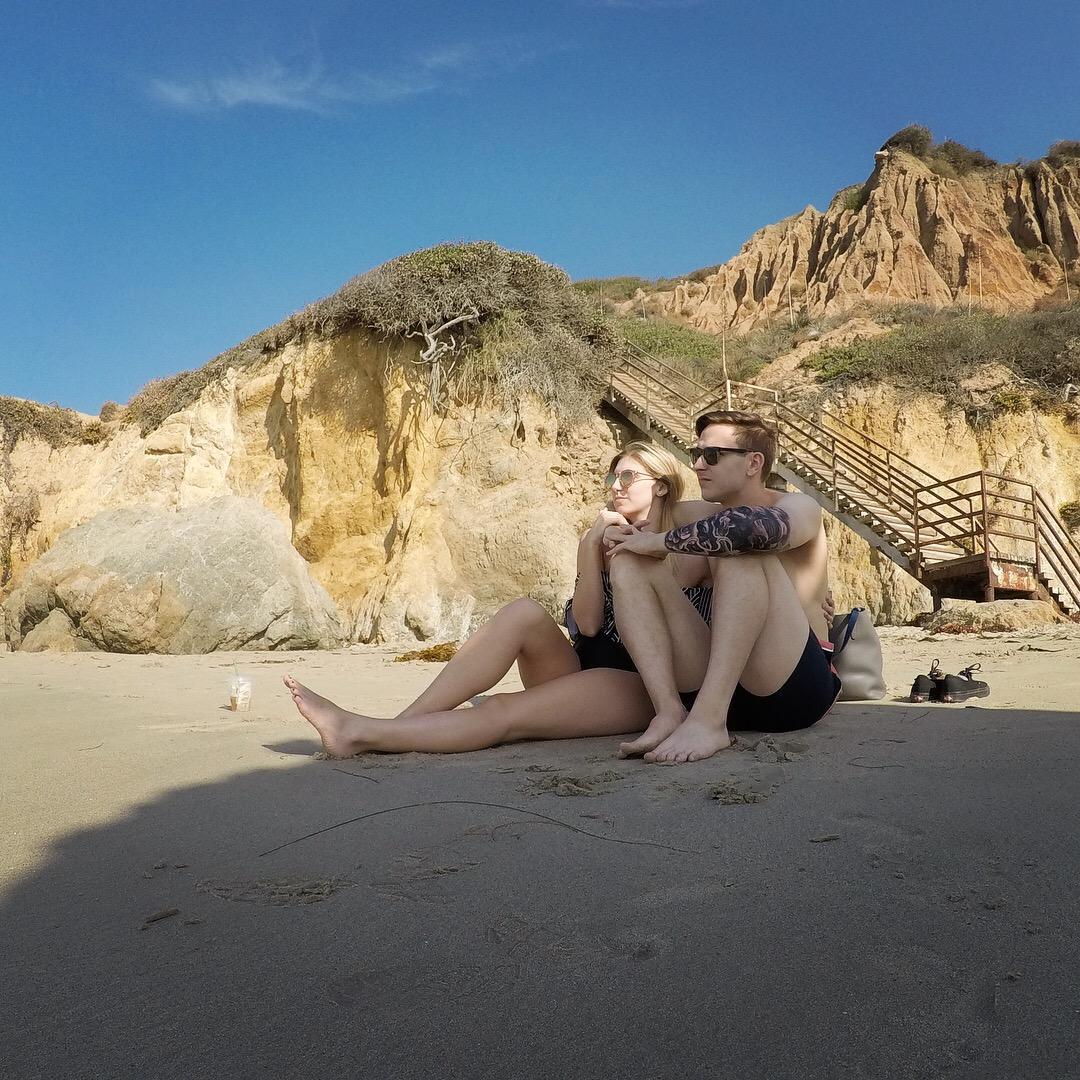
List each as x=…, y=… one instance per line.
x=899, y=902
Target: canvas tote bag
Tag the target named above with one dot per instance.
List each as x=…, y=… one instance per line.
x=857, y=656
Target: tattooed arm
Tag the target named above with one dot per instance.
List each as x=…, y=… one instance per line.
x=732, y=532
x=792, y=522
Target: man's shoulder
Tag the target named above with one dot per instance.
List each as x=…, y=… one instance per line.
x=692, y=510
x=804, y=517
x=798, y=501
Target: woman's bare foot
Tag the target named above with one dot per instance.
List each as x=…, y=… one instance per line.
x=693, y=741
x=341, y=732
x=660, y=727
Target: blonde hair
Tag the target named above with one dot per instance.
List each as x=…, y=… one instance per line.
x=660, y=465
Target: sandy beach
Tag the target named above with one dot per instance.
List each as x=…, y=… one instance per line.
x=890, y=894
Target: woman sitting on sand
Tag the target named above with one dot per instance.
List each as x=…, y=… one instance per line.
x=588, y=688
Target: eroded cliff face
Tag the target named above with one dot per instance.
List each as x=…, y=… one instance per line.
x=418, y=525
x=1003, y=235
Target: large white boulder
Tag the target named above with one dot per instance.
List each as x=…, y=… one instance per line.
x=222, y=575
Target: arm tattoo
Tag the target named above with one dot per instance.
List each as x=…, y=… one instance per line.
x=733, y=532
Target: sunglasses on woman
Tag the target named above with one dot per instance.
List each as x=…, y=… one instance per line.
x=712, y=454
x=625, y=478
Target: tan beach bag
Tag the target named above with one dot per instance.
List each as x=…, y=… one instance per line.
x=857, y=656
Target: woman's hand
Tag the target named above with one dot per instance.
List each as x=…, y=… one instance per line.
x=604, y=520
x=618, y=539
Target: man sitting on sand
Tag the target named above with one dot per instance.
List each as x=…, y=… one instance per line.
x=766, y=668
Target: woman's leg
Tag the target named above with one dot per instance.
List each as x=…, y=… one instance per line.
x=666, y=637
x=601, y=701
x=523, y=632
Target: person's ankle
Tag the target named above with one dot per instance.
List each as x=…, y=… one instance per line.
x=671, y=706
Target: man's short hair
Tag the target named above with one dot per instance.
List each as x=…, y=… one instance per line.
x=751, y=433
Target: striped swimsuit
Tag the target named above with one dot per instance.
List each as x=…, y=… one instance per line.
x=606, y=648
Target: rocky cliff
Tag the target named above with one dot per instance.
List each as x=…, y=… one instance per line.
x=908, y=235
x=417, y=523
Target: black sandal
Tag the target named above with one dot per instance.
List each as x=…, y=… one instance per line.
x=961, y=687
x=925, y=687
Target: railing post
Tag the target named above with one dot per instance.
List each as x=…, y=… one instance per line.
x=916, y=555
x=1035, y=535
x=888, y=472
x=648, y=386
x=727, y=388
x=989, y=590
x=835, y=490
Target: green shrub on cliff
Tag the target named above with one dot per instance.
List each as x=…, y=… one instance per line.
x=1042, y=348
x=700, y=355
x=613, y=289
x=1064, y=150
x=50, y=423
x=948, y=158
x=455, y=299
x=914, y=138
x=1070, y=514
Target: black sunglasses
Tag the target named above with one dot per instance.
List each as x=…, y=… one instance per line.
x=712, y=454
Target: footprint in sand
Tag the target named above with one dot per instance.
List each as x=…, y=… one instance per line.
x=573, y=786
x=279, y=891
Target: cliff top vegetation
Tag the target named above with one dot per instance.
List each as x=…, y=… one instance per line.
x=933, y=351
x=492, y=322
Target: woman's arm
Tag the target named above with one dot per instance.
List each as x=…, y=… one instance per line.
x=588, y=603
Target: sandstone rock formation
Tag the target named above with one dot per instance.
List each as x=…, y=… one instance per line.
x=966, y=616
x=1000, y=236
x=222, y=575
x=419, y=525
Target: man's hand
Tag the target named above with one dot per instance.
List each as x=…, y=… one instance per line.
x=828, y=607
x=620, y=538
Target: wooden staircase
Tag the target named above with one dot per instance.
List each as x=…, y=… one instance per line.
x=980, y=536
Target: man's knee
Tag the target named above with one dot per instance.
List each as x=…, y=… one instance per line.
x=744, y=567
x=747, y=574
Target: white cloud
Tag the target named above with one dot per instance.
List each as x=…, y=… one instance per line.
x=273, y=85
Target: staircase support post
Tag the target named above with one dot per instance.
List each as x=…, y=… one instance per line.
x=1035, y=537
x=916, y=557
x=988, y=592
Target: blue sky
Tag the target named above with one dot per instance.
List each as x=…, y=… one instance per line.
x=174, y=177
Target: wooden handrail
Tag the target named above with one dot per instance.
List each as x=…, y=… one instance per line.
x=632, y=348
x=1058, y=527
x=1060, y=547
x=870, y=439
x=843, y=440
x=1063, y=569
x=884, y=475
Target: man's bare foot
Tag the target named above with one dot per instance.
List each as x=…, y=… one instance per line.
x=341, y=732
x=660, y=727
x=693, y=741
